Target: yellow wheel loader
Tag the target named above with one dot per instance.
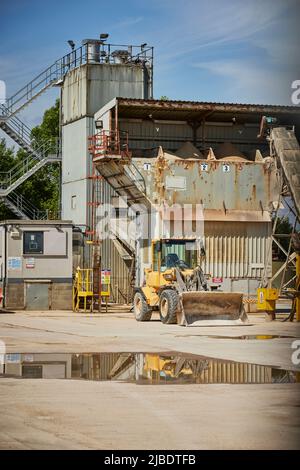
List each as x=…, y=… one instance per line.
x=177, y=287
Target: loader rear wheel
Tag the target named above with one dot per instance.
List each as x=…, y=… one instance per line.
x=168, y=304
x=142, y=311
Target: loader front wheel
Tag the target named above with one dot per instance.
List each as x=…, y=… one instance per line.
x=168, y=304
x=142, y=311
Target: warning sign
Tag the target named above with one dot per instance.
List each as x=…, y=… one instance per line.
x=105, y=276
x=14, y=263
x=30, y=263
x=105, y=282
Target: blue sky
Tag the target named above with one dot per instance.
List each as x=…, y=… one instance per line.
x=216, y=50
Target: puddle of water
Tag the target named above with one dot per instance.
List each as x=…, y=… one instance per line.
x=142, y=368
x=255, y=337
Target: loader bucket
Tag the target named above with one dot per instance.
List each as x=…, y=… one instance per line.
x=211, y=308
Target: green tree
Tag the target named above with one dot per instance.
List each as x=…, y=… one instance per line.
x=7, y=161
x=283, y=227
x=49, y=128
x=42, y=188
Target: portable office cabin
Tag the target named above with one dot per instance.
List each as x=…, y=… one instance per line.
x=36, y=264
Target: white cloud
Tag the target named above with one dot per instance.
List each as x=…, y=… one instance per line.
x=126, y=23
x=244, y=81
x=216, y=23
x=267, y=32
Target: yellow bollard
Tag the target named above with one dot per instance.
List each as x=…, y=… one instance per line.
x=266, y=300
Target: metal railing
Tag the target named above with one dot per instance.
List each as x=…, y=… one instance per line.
x=135, y=175
x=92, y=51
x=23, y=169
x=109, y=143
x=21, y=130
x=25, y=207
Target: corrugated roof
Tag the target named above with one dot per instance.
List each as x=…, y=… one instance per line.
x=211, y=111
x=202, y=104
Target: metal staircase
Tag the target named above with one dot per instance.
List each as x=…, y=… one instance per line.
x=113, y=161
x=21, y=133
x=16, y=129
x=38, y=156
x=52, y=75
x=10, y=180
x=22, y=208
x=55, y=73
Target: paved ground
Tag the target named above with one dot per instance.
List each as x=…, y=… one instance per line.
x=81, y=414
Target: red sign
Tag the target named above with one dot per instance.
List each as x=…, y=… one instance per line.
x=217, y=280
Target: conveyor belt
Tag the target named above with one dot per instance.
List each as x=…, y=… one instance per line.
x=287, y=151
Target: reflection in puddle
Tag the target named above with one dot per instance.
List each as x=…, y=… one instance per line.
x=141, y=368
x=256, y=337
x=259, y=337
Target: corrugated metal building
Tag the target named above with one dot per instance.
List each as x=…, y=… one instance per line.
x=237, y=246
x=237, y=205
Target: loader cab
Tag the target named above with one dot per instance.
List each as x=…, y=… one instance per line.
x=170, y=253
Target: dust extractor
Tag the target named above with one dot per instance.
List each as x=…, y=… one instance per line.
x=177, y=287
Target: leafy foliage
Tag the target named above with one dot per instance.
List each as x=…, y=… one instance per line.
x=42, y=188
x=283, y=227
x=7, y=161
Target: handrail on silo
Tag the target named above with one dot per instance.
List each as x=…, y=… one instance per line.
x=109, y=143
x=91, y=51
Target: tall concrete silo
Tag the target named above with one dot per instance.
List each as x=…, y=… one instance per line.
x=107, y=71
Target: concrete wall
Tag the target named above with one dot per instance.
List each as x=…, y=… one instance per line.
x=84, y=92
x=59, y=295
x=88, y=88
x=76, y=164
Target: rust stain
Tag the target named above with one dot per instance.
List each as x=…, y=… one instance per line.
x=242, y=191
x=161, y=165
x=253, y=193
